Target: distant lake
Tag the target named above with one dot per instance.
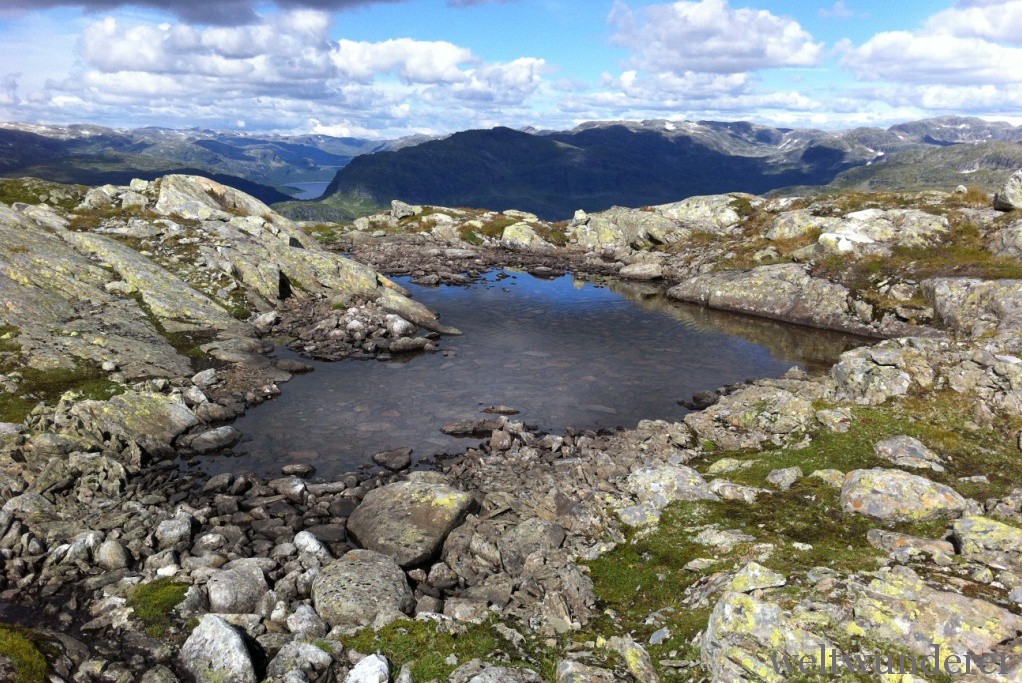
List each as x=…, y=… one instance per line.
x=309, y=190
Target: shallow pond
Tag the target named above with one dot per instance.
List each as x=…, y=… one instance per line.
x=565, y=352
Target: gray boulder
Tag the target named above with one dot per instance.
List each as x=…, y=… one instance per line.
x=215, y=652
x=896, y=496
x=532, y=535
x=1010, y=196
x=361, y=588
x=215, y=439
x=905, y=451
x=409, y=520
x=237, y=590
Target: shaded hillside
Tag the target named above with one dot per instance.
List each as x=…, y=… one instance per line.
x=552, y=175
x=598, y=165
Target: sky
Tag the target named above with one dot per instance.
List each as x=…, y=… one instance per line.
x=389, y=68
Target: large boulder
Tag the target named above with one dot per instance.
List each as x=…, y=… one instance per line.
x=215, y=652
x=896, y=496
x=876, y=230
x=150, y=419
x=409, y=520
x=975, y=307
x=1010, y=196
x=1008, y=241
x=522, y=234
x=752, y=416
x=361, y=588
x=663, y=485
x=237, y=590
x=983, y=536
x=898, y=607
x=714, y=213
x=744, y=634
x=792, y=224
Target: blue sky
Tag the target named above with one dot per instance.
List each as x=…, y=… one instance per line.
x=387, y=68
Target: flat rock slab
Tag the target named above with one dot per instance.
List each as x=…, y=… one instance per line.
x=409, y=520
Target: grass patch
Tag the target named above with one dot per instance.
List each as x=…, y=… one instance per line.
x=939, y=420
x=154, y=604
x=27, y=651
x=428, y=649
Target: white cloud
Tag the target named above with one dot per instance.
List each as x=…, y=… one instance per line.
x=992, y=20
x=711, y=36
x=283, y=72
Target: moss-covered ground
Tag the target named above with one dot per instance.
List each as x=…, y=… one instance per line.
x=154, y=604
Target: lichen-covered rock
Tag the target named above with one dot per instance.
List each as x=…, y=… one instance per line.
x=409, y=520
x=906, y=451
x=361, y=588
x=477, y=671
x=752, y=416
x=783, y=291
x=639, y=664
x=893, y=495
x=662, y=485
x=744, y=633
x=150, y=419
x=215, y=653
x=1010, y=196
x=792, y=224
x=977, y=535
x=754, y=576
x=522, y=234
x=875, y=230
x=569, y=671
x=974, y=307
x=714, y=213
x=627, y=227
x=898, y=607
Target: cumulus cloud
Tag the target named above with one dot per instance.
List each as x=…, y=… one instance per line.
x=985, y=19
x=227, y=12
x=284, y=71
x=711, y=36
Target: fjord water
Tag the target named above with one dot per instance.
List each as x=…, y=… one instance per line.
x=564, y=352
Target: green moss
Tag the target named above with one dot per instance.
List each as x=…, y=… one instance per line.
x=154, y=603
x=48, y=386
x=27, y=651
x=428, y=649
x=33, y=191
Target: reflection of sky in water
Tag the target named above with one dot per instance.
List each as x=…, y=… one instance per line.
x=563, y=353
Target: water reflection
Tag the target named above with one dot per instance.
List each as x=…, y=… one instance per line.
x=564, y=352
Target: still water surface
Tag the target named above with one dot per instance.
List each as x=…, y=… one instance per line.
x=564, y=352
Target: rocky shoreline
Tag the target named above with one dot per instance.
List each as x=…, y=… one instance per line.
x=673, y=551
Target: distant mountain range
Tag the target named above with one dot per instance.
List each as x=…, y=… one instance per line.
x=551, y=173
x=268, y=166
x=597, y=165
